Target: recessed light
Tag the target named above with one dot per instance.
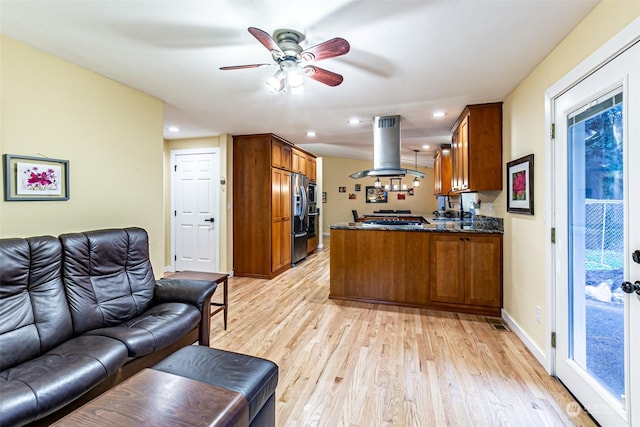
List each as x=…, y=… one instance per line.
x=426, y=147
x=438, y=114
x=173, y=129
x=354, y=121
x=311, y=134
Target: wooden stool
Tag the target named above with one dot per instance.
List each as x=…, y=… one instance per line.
x=219, y=278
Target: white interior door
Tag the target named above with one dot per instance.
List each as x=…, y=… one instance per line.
x=597, y=207
x=195, y=196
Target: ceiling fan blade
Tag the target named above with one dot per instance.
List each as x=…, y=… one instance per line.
x=323, y=76
x=329, y=49
x=242, y=67
x=265, y=39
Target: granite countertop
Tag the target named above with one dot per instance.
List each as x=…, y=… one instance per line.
x=477, y=224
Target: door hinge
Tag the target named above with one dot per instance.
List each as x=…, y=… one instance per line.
x=553, y=131
x=175, y=213
x=175, y=257
x=553, y=340
x=553, y=234
x=175, y=168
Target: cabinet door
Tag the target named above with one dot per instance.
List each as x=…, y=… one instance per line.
x=281, y=244
x=280, y=155
x=280, y=194
x=437, y=173
x=281, y=218
x=463, y=137
x=447, y=268
x=483, y=270
x=311, y=169
x=295, y=161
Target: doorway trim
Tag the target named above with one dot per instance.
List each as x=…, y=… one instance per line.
x=601, y=56
x=172, y=163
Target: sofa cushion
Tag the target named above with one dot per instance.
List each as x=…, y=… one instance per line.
x=46, y=383
x=155, y=329
x=107, y=276
x=34, y=316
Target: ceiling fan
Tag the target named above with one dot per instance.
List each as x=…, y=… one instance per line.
x=294, y=62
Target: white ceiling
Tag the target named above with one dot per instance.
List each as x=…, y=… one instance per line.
x=407, y=57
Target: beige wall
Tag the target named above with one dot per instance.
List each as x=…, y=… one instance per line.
x=524, y=133
x=336, y=171
x=226, y=194
x=110, y=133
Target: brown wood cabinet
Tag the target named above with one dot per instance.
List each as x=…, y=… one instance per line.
x=476, y=146
x=380, y=266
x=304, y=163
x=466, y=271
x=281, y=219
x=442, y=170
x=280, y=154
x=261, y=206
x=459, y=272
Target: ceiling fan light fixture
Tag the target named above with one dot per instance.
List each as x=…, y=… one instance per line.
x=275, y=83
x=295, y=79
x=296, y=90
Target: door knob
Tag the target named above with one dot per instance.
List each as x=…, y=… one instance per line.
x=208, y=219
x=636, y=256
x=630, y=288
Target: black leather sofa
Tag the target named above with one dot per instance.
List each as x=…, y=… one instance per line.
x=81, y=313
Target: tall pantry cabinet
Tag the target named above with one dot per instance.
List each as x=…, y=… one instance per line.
x=261, y=205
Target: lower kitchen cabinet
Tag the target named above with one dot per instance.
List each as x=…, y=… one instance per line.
x=466, y=271
x=459, y=272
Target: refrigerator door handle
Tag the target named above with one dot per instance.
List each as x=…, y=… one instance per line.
x=304, y=233
x=303, y=211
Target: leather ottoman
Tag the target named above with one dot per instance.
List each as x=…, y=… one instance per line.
x=253, y=377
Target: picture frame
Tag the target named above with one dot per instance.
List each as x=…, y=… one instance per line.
x=342, y=189
x=520, y=186
x=376, y=195
x=324, y=197
x=358, y=187
x=32, y=179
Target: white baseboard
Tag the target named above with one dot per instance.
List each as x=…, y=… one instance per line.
x=537, y=352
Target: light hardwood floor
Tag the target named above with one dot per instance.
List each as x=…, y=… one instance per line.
x=356, y=364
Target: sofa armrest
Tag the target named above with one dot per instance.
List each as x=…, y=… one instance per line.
x=194, y=292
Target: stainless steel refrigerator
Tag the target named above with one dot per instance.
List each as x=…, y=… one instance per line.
x=299, y=212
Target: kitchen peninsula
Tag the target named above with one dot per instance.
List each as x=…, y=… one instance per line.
x=441, y=265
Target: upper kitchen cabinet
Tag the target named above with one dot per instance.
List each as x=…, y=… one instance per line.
x=303, y=163
x=280, y=153
x=476, y=148
x=442, y=170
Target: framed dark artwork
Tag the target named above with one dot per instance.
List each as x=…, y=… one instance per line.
x=324, y=197
x=376, y=195
x=358, y=187
x=342, y=189
x=352, y=196
x=35, y=178
x=520, y=185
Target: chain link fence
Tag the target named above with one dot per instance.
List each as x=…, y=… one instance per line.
x=604, y=239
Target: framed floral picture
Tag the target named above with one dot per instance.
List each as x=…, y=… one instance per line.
x=35, y=178
x=520, y=185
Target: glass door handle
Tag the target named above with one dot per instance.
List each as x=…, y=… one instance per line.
x=630, y=288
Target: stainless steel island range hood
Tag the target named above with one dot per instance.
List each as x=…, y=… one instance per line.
x=386, y=151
